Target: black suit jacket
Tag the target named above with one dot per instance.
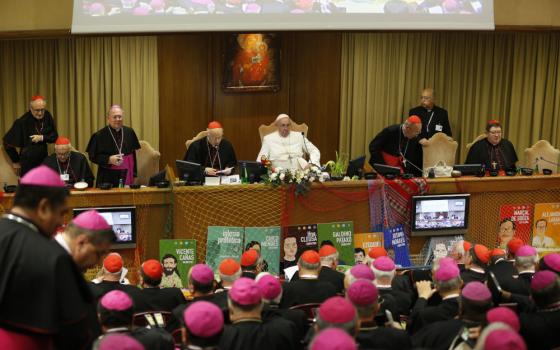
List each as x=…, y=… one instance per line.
x=328, y=275
x=156, y=299
x=306, y=291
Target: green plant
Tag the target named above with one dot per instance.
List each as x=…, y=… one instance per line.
x=338, y=167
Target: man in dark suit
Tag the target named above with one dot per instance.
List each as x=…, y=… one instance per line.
x=448, y=285
x=434, y=118
x=152, y=297
x=308, y=288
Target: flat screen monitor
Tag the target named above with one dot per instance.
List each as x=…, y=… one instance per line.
x=383, y=169
x=468, y=169
x=191, y=173
x=123, y=222
x=112, y=176
x=355, y=167
x=440, y=215
x=161, y=176
x=254, y=170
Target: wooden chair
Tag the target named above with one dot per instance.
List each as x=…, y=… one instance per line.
x=147, y=159
x=439, y=147
x=270, y=128
x=478, y=138
x=7, y=173
x=543, y=155
x=309, y=310
x=152, y=319
x=196, y=138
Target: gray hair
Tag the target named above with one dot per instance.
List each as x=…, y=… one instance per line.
x=526, y=262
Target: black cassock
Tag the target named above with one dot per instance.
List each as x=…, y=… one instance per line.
x=390, y=144
x=433, y=121
x=440, y=335
x=424, y=315
x=208, y=156
x=105, y=143
x=305, y=291
x=276, y=333
x=541, y=329
x=383, y=338
x=30, y=154
x=42, y=290
x=76, y=167
x=328, y=275
x=499, y=157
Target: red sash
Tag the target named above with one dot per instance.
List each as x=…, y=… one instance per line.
x=392, y=160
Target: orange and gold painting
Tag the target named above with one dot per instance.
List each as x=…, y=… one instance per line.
x=252, y=63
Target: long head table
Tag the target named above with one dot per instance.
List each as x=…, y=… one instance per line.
x=186, y=212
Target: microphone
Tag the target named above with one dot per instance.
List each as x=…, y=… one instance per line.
x=305, y=146
x=548, y=161
x=409, y=162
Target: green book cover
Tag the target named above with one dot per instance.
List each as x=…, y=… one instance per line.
x=267, y=240
x=177, y=256
x=223, y=242
x=342, y=236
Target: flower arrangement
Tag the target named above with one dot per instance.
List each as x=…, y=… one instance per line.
x=301, y=179
x=337, y=168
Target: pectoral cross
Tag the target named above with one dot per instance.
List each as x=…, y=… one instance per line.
x=494, y=164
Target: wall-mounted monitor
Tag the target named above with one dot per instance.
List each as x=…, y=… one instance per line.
x=123, y=222
x=440, y=215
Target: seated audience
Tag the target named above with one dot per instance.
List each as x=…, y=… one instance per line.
x=396, y=301
x=111, y=278
x=328, y=273
x=152, y=297
x=308, y=288
x=116, y=310
x=364, y=296
x=248, y=331
x=203, y=325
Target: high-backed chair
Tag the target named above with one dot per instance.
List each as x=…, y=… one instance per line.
x=7, y=173
x=543, y=155
x=198, y=136
x=439, y=147
x=147, y=159
x=270, y=128
x=478, y=138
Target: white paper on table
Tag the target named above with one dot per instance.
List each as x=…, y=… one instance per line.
x=226, y=171
x=230, y=180
x=212, y=181
x=289, y=272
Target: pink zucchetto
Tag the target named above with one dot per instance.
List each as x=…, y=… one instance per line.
x=202, y=274
x=525, y=251
x=476, y=291
x=384, y=263
x=91, y=220
x=204, y=319
x=362, y=271
x=270, y=287
x=543, y=279
x=447, y=272
x=505, y=315
x=337, y=310
x=42, y=176
x=333, y=339
x=362, y=293
x=245, y=291
x=116, y=300
x=118, y=341
x=552, y=261
x=504, y=339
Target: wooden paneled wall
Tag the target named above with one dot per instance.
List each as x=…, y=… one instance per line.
x=191, y=95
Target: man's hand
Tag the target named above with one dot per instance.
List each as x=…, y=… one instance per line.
x=36, y=138
x=423, y=141
x=506, y=294
x=17, y=168
x=210, y=171
x=394, y=325
x=425, y=289
x=115, y=159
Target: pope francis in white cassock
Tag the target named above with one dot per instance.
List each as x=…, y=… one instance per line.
x=286, y=148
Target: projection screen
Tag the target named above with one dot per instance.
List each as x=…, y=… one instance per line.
x=119, y=16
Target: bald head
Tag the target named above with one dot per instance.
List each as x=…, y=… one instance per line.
x=428, y=98
x=215, y=136
x=37, y=108
x=115, y=117
x=283, y=124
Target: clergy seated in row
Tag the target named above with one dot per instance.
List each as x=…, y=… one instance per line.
x=248, y=330
x=398, y=146
x=308, y=288
x=476, y=262
x=115, y=311
x=213, y=152
x=494, y=152
x=72, y=166
x=285, y=148
x=111, y=278
x=113, y=149
x=329, y=260
x=30, y=133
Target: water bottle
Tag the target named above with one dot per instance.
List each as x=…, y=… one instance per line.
x=121, y=183
x=244, y=177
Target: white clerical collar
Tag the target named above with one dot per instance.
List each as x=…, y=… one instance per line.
x=451, y=296
x=59, y=238
x=308, y=277
x=477, y=270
